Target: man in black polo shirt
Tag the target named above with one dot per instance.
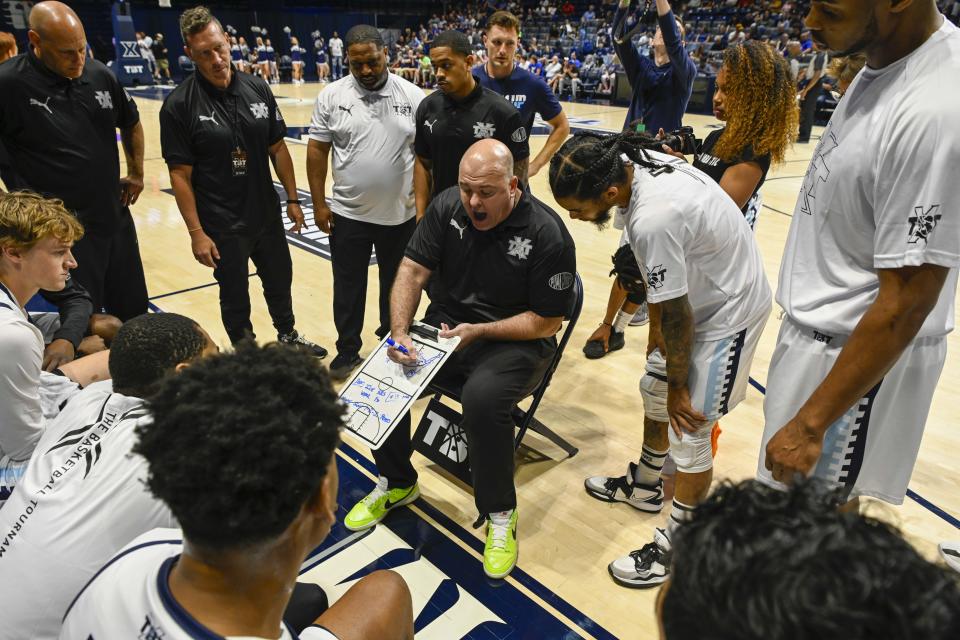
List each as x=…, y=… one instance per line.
x=217, y=130
x=502, y=267
x=59, y=113
x=452, y=119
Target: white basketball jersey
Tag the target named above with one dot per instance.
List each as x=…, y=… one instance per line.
x=130, y=598
x=81, y=499
x=881, y=192
x=690, y=239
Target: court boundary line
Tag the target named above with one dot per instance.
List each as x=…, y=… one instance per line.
x=551, y=601
x=913, y=495
x=932, y=507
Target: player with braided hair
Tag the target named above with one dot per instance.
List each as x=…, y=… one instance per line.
x=709, y=301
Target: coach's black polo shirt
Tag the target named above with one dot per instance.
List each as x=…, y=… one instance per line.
x=62, y=135
x=525, y=263
x=202, y=126
x=446, y=128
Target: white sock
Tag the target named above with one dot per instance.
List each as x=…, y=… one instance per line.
x=648, y=469
x=679, y=513
x=620, y=322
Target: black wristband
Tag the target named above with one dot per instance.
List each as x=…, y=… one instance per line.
x=294, y=202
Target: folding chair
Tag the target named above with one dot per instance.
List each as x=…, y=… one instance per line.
x=525, y=420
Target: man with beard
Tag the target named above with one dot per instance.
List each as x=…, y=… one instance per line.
x=869, y=275
x=367, y=118
x=709, y=301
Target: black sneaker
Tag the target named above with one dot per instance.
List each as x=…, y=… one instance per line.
x=594, y=349
x=343, y=364
x=299, y=341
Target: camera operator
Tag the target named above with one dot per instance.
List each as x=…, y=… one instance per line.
x=662, y=86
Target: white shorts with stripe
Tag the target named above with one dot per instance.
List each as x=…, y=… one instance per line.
x=872, y=448
x=719, y=370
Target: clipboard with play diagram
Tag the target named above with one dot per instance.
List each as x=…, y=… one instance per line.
x=381, y=392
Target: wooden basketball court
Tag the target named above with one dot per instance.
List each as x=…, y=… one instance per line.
x=566, y=538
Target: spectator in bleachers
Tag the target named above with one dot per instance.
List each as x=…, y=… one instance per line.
x=607, y=78
x=536, y=67
x=662, y=86
x=426, y=76
x=553, y=71
x=570, y=76
x=232, y=569
x=793, y=59
x=851, y=576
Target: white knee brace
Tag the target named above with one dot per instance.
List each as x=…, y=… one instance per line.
x=693, y=452
x=653, y=388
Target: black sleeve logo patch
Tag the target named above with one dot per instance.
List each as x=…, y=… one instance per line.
x=922, y=223
x=656, y=276
x=561, y=281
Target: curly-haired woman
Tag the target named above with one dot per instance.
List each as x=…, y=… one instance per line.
x=754, y=95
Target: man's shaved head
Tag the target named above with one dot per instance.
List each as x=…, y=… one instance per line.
x=488, y=188
x=52, y=15
x=58, y=38
x=488, y=156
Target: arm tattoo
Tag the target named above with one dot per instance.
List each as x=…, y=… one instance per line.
x=520, y=169
x=676, y=324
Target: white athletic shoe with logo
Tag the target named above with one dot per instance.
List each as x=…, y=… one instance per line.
x=646, y=567
x=641, y=317
x=624, y=489
x=950, y=552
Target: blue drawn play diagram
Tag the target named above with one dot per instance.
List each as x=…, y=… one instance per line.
x=382, y=391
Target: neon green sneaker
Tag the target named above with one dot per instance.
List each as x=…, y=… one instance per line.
x=377, y=504
x=500, y=553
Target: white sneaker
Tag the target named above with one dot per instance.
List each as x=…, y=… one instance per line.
x=641, y=317
x=646, y=567
x=625, y=489
x=950, y=552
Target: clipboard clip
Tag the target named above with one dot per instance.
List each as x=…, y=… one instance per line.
x=425, y=331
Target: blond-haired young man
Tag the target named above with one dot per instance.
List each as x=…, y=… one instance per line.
x=36, y=235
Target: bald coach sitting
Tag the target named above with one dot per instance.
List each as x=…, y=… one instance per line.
x=503, y=268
